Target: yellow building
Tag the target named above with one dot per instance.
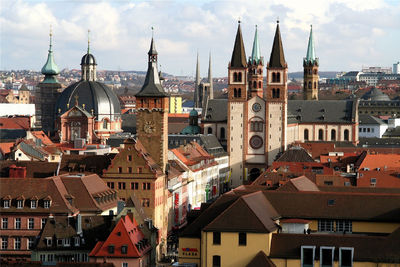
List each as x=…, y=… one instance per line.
x=175, y=104
x=247, y=227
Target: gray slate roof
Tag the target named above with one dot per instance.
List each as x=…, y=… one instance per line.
x=216, y=111
x=376, y=95
x=209, y=142
x=368, y=119
x=323, y=111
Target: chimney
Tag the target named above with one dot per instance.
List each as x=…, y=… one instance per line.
x=79, y=224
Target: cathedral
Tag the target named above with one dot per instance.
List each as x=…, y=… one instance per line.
x=261, y=122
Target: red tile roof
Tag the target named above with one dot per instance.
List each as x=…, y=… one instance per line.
x=388, y=179
x=22, y=123
x=382, y=161
x=125, y=233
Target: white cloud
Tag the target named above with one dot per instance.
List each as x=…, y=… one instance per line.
x=347, y=33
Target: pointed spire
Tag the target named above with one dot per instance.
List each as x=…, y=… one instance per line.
x=152, y=85
x=239, y=55
x=210, y=79
x=152, y=50
x=50, y=69
x=310, y=58
x=255, y=54
x=277, y=59
x=197, y=83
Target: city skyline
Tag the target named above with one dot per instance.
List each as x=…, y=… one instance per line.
x=348, y=35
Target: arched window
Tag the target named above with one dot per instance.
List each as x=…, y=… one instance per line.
x=259, y=84
x=305, y=85
x=235, y=77
x=315, y=71
x=234, y=92
x=305, y=71
x=309, y=85
x=273, y=93
x=209, y=130
x=274, y=77
x=278, y=77
x=254, y=84
x=306, y=134
x=346, y=135
x=260, y=71
x=239, y=92
x=240, y=77
x=320, y=135
x=222, y=133
x=333, y=135
x=278, y=91
x=105, y=124
x=315, y=85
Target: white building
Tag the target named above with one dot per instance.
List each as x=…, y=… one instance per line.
x=371, y=127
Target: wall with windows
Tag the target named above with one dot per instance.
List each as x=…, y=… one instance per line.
x=356, y=226
x=372, y=131
x=230, y=252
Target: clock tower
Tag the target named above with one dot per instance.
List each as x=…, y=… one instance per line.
x=152, y=113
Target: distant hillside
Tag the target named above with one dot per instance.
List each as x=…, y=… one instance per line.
x=322, y=74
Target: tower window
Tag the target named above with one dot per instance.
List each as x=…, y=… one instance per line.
x=209, y=130
x=259, y=84
x=309, y=85
x=222, y=133
x=240, y=77
x=254, y=84
x=273, y=77
x=315, y=72
x=239, y=92
x=234, y=92
x=315, y=85
x=235, y=77
x=278, y=77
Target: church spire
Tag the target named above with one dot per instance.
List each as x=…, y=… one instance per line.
x=197, y=84
x=50, y=69
x=311, y=57
x=239, y=55
x=255, y=54
x=210, y=79
x=152, y=86
x=277, y=59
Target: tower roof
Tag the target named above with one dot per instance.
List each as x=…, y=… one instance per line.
x=239, y=55
x=310, y=58
x=255, y=54
x=277, y=59
x=152, y=50
x=50, y=68
x=152, y=86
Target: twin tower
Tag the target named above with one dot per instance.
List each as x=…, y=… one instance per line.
x=257, y=116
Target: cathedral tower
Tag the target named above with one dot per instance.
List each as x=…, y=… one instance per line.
x=237, y=97
x=196, y=97
x=256, y=65
x=311, y=77
x=276, y=96
x=47, y=93
x=152, y=107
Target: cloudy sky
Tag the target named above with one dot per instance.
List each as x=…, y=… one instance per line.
x=348, y=34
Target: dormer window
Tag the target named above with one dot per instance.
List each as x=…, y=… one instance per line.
x=6, y=203
x=49, y=241
x=20, y=204
x=33, y=204
x=46, y=204
x=124, y=249
x=111, y=249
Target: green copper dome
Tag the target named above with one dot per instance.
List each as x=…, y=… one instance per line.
x=191, y=129
x=193, y=113
x=50, y=69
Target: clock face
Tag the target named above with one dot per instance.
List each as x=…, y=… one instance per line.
x=148, y=127
x=256, y=107
x=256, y=142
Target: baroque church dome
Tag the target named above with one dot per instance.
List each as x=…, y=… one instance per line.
x=93, y=96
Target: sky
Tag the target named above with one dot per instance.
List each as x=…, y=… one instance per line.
x=348, y=34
